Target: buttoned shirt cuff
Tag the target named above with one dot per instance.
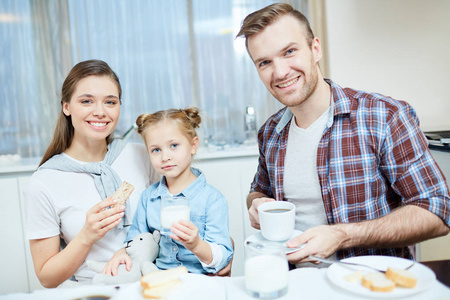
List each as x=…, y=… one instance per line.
x=217, y=256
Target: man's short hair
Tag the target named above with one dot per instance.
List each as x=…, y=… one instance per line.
x=260, y=19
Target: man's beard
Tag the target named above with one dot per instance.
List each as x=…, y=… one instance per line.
x=307, y=90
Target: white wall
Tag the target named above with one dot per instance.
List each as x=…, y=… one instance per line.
x=399, y=48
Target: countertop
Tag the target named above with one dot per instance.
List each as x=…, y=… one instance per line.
x=14, y=165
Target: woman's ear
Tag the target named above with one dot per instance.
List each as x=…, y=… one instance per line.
x=65, y=108
x=195, y=144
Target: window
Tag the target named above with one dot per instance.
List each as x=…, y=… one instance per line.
x=166, y=54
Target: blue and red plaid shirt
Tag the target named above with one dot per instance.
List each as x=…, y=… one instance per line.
x=371, y=159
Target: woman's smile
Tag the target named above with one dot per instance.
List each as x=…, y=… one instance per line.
x=98, y=125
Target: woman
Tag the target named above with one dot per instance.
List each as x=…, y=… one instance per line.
x=68, y=196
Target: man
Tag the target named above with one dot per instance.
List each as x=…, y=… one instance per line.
x=356, y=164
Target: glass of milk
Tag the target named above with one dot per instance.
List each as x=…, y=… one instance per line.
x=266, y=272
x=173, y=209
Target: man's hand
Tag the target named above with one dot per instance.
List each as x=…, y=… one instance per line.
x=253, y=211
x=404, y=226
x=322, y=241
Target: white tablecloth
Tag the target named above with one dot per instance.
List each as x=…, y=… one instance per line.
x=305, y=283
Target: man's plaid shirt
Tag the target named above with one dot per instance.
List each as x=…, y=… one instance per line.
x=371, y=159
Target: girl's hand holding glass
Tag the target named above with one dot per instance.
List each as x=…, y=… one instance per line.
x=186, y=233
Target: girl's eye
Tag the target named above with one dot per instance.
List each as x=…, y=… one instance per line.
x=86, y=101
x=173, y=146
x=156, y=150
x=290, y=51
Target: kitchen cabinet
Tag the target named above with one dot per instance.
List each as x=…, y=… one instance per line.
x=13, y=264
x=232, y=176
x=15, y=252
x=33, y=281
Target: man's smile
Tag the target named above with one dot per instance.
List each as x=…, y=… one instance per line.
x=288, y=83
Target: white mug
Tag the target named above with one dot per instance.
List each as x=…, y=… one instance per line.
x=277, y=220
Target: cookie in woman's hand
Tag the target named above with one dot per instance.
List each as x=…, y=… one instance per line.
x=122, y=193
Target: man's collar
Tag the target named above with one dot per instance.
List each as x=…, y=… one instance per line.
x=340, y=104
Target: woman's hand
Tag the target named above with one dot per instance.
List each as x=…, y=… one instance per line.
x=100, y=219
x=120, y=257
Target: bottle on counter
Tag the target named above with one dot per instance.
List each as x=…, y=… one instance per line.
x=250, y=126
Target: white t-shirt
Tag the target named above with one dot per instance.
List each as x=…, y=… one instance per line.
x=57, y=202
x=301, y=181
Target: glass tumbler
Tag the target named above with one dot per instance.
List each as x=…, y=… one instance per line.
x=266, y=271
x=173, y=209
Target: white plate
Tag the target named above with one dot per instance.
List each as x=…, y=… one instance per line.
x=258, y=238
x=336, y=273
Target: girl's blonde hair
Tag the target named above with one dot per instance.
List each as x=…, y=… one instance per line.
x=188, y=120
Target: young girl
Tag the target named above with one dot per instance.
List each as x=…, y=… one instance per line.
x=202, y=244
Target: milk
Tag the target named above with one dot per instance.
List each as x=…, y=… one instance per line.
x=172, y=214
x=266, y=273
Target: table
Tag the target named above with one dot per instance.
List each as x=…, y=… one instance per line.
x=304, y=283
